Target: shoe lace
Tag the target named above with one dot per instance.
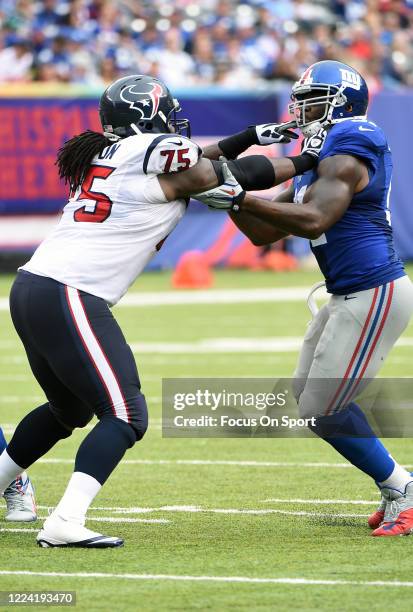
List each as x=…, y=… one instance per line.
x=14, y=495
x=396, y=507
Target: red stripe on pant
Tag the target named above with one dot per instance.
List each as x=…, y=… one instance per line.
x=373, y=346
x=92, y=359
x=356, y=350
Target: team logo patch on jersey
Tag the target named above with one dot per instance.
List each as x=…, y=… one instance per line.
x=145, y=103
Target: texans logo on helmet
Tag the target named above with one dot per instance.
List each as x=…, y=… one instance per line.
x=149, y=101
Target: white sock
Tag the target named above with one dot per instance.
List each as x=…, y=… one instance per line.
x=398, y=479
x=80, y=492
x=9, y=470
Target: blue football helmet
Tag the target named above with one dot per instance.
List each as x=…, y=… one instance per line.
x=338, y=87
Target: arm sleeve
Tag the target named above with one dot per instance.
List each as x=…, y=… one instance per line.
x=170, y=153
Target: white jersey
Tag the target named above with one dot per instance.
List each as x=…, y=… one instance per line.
x=117, y=220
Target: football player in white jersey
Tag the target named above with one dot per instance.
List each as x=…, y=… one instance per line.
x=119, y=212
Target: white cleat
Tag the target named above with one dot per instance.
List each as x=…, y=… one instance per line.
x=19, y=496
x=60, y=532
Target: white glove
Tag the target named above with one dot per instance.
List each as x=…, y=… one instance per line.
x=312, y=145
x=269, y=133
x=227, y=196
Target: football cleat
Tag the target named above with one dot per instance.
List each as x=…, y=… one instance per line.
x=19, y=496
x=60, y=532
x=398, y=518
x=376, y=519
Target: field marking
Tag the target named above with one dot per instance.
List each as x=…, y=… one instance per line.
x=262, y=359
x=199, y=509
x=100, y=519
x=222, y=345
x=15, y=399
x=210, y=296
x=355, y=502
x=212, y=462
x=16, y=377
x=111, y=519
x=239, y=511
x=16, y=530
x=13, y=359
x=238, y=579
x=217, y=296
x=277, y=344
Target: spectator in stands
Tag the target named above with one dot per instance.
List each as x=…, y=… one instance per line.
x=176, y=67
x=15, y=61
x=247, y=43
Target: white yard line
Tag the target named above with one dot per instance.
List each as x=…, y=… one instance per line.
x=222, y=345
x=278, y=344
x=215, y=462
x=12, y=530
x=111, y=519
x=189, y=508
x=197, y=510
x=210, y=296
x=211, y=462
x=16, y=377
x=239, y=511
x=316, y=502
x=218, y=296
x=15, y=399
x=237, y=579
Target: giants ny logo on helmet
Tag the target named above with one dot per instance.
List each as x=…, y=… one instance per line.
x=148, y=104
x=350, y=78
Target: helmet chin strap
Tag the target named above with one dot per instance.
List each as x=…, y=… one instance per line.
x=112, y=137
x=135, y=129
x=312, y=128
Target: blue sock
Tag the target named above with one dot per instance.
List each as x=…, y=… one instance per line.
x=3, y=443
x=349, y=432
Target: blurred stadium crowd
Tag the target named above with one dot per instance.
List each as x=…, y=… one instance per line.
x=238, y=45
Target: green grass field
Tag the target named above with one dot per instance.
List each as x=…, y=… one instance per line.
x=175, y=558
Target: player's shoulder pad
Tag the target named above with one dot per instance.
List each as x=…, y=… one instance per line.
x=357, y=137
x=170, y=153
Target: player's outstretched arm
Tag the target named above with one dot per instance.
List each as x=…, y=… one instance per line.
x=253, y=172
x=261, y=232
x=264, y=134
x=340, y=176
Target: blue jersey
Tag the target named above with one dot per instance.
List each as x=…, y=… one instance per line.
x=357, y=252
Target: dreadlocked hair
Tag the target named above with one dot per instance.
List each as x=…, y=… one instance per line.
x=75, y=156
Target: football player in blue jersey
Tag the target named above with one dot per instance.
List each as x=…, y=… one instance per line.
x=342, y=207
x=19, y=495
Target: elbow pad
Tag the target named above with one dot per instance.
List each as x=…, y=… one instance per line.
x=254, y=172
